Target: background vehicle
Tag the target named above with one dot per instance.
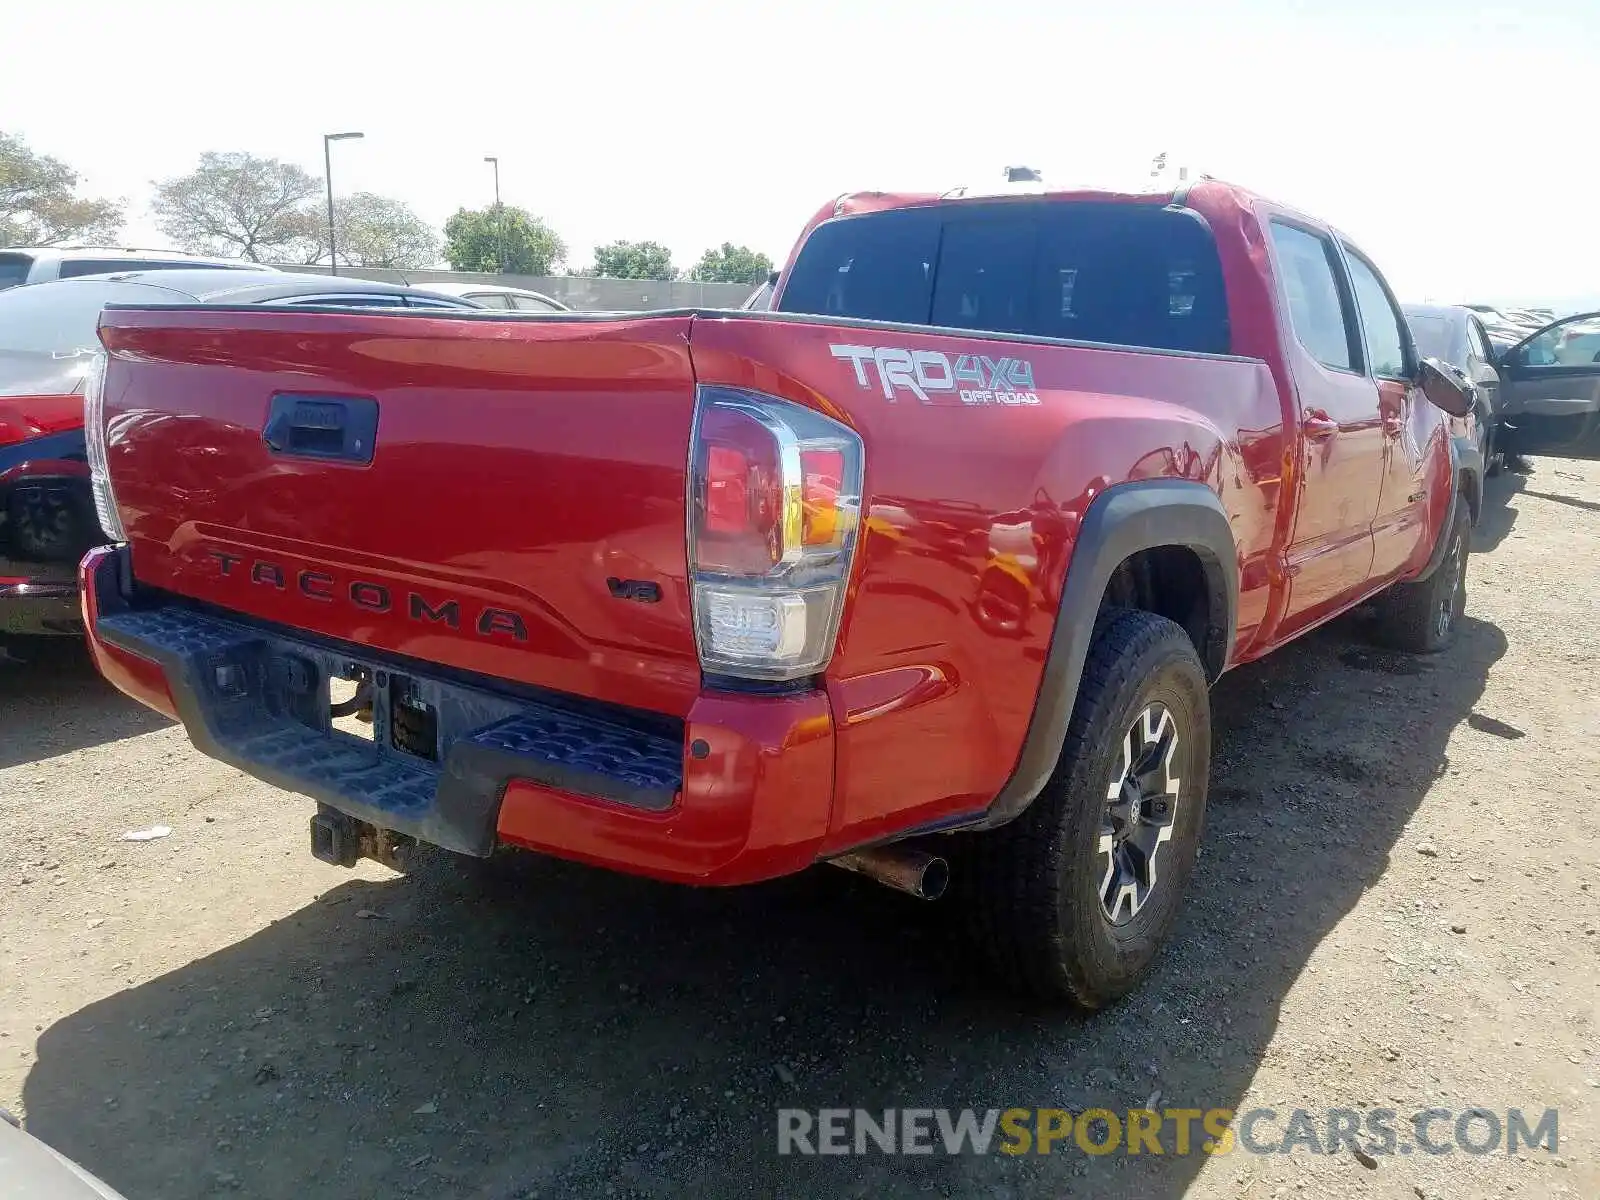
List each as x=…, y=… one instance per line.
x=968, y=525
x=1579, y=343
x=761, y=298
x=1455, y=335
x=47, y=341
x=1550, y=390
x=495, y=295
x=31, y=1170
x=40, y=264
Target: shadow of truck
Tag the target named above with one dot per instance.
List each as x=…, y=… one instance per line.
x=559, y=1031
x=53, y=701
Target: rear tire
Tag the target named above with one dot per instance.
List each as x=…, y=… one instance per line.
x=1073, y=899
x=1422, y=617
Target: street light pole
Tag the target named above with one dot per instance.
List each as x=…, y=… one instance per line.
x=499, y=213
x=327, y=169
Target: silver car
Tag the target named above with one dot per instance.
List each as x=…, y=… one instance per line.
x=30, y=1170
x=499, y=295
x=41, y=264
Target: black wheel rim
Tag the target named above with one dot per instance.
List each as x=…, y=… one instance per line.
x=1141, y=806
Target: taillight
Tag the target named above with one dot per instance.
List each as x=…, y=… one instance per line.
x=94, y=436
x=774, y=499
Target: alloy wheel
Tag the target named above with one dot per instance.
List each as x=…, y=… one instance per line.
x=1141, y=806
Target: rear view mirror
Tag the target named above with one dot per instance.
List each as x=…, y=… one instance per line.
x=1444, y=388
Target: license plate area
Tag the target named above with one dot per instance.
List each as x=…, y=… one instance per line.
x=387, y=708
x=413, y=722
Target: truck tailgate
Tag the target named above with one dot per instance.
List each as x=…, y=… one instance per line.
x=496, y=494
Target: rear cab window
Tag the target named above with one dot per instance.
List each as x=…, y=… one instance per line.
x=1115, y=273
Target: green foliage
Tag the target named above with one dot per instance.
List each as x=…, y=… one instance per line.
x=634, y=260
x=39, y=204
x=732, y=264
x=487, y=239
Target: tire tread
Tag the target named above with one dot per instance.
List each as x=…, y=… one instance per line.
x=1011, y=875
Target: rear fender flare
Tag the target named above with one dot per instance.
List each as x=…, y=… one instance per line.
x=1120, y=522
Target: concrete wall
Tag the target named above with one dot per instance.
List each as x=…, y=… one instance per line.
x=576, y=291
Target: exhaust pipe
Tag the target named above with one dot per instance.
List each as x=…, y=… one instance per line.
x=914, y=872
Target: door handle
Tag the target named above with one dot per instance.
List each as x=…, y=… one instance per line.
x=1319, y=427
x=319, y=426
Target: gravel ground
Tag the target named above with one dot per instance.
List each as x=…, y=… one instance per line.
x=1396, y=907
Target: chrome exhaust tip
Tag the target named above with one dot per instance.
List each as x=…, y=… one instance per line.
x=914, y=872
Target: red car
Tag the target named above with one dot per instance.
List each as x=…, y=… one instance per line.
x=47, y=346
x=925, y=572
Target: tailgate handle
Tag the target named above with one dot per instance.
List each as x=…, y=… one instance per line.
x=317, y=426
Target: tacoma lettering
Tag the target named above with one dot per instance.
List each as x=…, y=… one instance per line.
x=497, y=623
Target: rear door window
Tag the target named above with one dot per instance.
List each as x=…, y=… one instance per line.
x=1380, y=323
x=1317, y=308
x=1123, y=274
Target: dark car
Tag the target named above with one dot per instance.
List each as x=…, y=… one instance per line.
x=47, y=345
x=1456, y=335
x=1545, y=394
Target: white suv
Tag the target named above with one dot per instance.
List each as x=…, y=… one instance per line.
x=36, y=264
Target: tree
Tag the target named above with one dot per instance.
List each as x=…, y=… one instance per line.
x=732, y=264
x=236, y=203
x=39, y=204
x=634, y=260
x=374, y=231
x=473, y=241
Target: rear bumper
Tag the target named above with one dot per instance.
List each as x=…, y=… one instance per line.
x=739, y=790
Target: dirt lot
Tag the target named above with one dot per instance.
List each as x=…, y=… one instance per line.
x=1397, y=907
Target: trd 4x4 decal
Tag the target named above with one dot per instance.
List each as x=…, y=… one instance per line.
x=930, y=376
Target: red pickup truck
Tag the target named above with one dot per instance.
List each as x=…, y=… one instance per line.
x=924, y=572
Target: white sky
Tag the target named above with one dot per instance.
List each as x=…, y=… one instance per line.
x=1457, y=141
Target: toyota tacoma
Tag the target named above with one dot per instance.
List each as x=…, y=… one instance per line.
x=925, y=572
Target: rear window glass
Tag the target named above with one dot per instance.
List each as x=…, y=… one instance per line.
x=1432, y=335
x=110, y=266
x=14, y=269
x=1124, y=274
x=532, y=304
x=60, y=318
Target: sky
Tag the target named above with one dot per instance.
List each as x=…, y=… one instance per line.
x=1457, y=142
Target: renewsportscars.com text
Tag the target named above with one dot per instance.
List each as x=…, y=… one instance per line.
x=1174, y=1131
